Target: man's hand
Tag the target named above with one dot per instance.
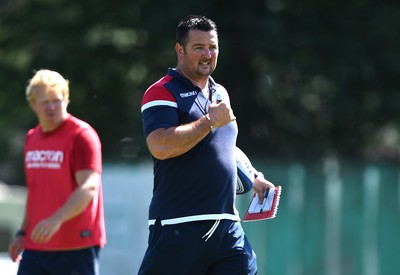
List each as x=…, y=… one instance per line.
x=220, y=114
x=15, y=248
x=45, y=229
x=260, y=186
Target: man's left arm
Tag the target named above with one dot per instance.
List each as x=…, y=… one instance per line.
x=88, y=182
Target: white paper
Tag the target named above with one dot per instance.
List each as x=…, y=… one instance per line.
x=256, y=207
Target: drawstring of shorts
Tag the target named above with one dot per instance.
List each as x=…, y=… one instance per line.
x=211, y=231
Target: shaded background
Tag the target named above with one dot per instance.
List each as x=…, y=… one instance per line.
x=310, y=81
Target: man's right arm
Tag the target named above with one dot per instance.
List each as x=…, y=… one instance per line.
x=170, y=142
x=17, y=245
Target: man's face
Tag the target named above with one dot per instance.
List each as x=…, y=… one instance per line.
x=198, y=58
x=50, y=108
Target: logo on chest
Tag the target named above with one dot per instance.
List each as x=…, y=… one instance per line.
x=188, y=94
x=44, y=159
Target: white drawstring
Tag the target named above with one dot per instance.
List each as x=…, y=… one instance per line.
x=211, y=231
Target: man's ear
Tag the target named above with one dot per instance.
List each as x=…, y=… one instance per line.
x=32, y=104
x=179, y=49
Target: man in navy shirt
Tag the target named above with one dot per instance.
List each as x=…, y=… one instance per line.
x=191, y=132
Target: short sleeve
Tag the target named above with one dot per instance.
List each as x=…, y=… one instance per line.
x=87, y=151
x=159, y=110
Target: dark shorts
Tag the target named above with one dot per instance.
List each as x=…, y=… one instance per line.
x=72, y=262
x=183, y=249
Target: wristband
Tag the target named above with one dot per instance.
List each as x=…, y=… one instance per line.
x=20, y=233
x=209, y=119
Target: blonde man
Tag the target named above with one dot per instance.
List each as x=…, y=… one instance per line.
x=63, y=227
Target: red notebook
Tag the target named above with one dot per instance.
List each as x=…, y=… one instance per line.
x=266, y=210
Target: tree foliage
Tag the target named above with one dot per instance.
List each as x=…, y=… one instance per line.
x=306, y=78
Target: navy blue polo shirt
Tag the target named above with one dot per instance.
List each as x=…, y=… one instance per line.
x=200, y=184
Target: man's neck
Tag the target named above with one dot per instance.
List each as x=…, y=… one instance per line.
x=201, y=82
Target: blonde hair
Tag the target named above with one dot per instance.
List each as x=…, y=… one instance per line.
x=49, y=81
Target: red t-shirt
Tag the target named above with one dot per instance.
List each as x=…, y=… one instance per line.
x=51, y=161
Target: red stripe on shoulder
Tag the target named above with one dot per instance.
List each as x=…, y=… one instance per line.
x=157, y=91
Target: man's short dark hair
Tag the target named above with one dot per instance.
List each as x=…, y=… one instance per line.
x=193, y=22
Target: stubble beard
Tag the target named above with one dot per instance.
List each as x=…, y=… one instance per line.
x=205, y=72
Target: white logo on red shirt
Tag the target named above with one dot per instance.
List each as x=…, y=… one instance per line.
x=44, y=159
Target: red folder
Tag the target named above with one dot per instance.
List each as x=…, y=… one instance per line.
x=266, y=210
